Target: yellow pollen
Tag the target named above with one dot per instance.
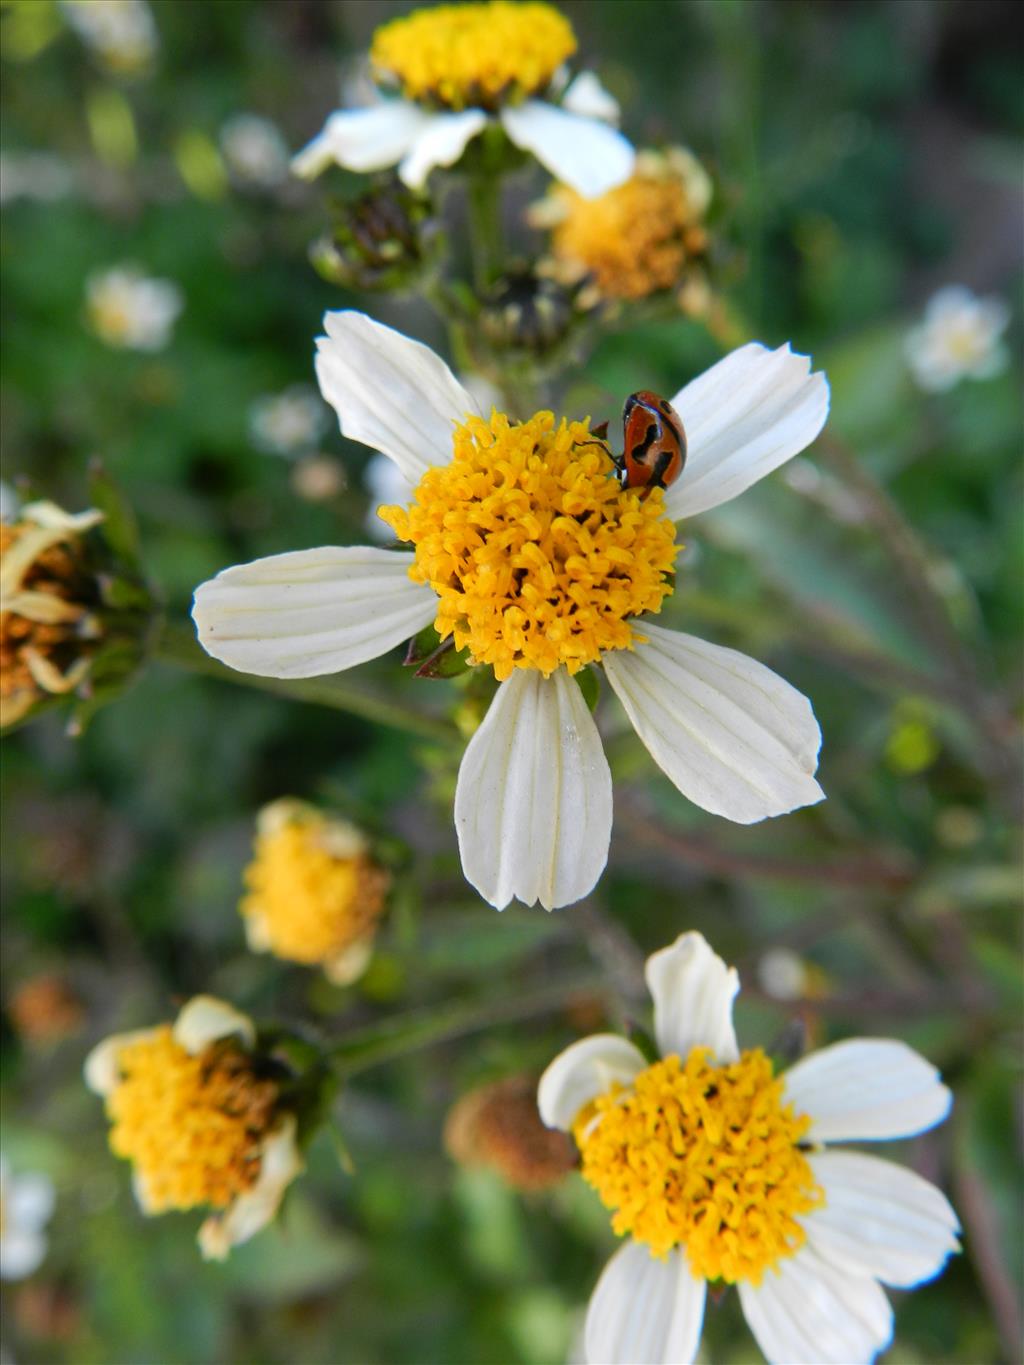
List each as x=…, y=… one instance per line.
x=473, y=56
x=312, y=890
x=192, y=1126
x=538, y=557
x=634, y=240
x=706, y=1158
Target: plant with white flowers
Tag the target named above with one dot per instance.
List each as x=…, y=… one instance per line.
x=959, y=337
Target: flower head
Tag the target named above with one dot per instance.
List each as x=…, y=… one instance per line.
x=719, y=1171
x=529, y=554
x=255, y=150
x=313, y=895
x=199, y=1115
x=26, y=1203
x=121, y=33
x=637, y=239
x=132, y=311
x=958, y=338
x=498, y=1126
x=459, y=67
x=289, y=423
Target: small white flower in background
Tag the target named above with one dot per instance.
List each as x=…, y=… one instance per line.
x=255, y=151
x=40, y=176
x=722, y=1173
x=289, y=423
x=385, y=484
x=130, y=310
x=958, y=338
x=783, y=974
x=26, y=1203
x=317, y=478
x=121, y=33
x=534, y=559
x=461, y=67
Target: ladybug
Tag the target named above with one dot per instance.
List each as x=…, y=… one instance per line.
x=654, y=442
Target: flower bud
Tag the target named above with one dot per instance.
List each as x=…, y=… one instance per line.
x=382, y=240
x=527, y=312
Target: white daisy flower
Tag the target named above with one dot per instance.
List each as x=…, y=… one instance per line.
x=130, y=310
x=528, y=552
x=200, y=1125
x=460, y=67
x=121, y=33
x=958, y=338
x=26, y=1203
x=722, y=1173
x=255, y=151
x=289, y=423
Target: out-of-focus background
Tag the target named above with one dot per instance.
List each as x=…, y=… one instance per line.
x=864, y=156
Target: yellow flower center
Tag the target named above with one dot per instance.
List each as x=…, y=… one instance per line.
x=312, y=898
x=473, y=56
x=703, y=1157
x=193, y=1126
x=538, y=557
x=635, y=239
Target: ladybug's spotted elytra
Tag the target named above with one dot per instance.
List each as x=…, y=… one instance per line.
x=654, y=442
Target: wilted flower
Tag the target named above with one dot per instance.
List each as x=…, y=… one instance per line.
x=314, y=894
x=44, y=1008
x=461, y=67
x=722, y=1173
x=499, y=1126
x=130, y=310
x=289, y=423
x=121, y=33
x=638, y=239
x=26, y=1203
x=532, y=558
x=383, y=239
x=48, y=596
x=958, y=338
x=255, y=151
x=199, y=1115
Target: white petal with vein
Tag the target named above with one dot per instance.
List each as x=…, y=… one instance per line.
x=582, y=1072
x=645, y=1311
x=744, y=418
x=533, y=805
x=867, y=1088
x=309, y=612
x=583, y=153
x=205, y=1020
x=733, y=736
x=439, y=143
x=362, y=139
x=390, y=392
x=693, y=991
x=880, y=1219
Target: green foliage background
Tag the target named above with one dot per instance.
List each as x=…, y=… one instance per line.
x=865, y=154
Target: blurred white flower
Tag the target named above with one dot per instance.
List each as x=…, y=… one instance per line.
x=26, y=1203
x=9, y=502
x=317, y=478
x=34, y=175
x=121, y=33
x=289, y=423
x=128, y=309
x=255, y=151
x=782, y=974
x=958, y=338
x=385, y=485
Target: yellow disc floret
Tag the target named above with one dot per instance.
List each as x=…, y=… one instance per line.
x=706, y=1158
x=473, y=56
x=538, y=557
x=192, y=1125
x=313, y=891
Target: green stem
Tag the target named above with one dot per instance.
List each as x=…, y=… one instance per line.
x=394, y=1037
x=485, y=235
x=178, y=646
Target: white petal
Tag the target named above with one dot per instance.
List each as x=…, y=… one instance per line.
x=583, y=153
x=533, y=804
x=280, y=1163
x=20, y=1252
x=390, y=392
x=29, y=1200
x=54, y=518
x=809, y=1313
x=693, y=991
x=587, y=97
x=309, y=612
x=101, y=1071
x=362, y=139
x=867, y=1088
x=349, y=965
x=733, y=736
x=439, y=143
x=744, y=417
x=645, y=1310
x=582, y=1072
x=205, y=1020
x=880, y=1219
